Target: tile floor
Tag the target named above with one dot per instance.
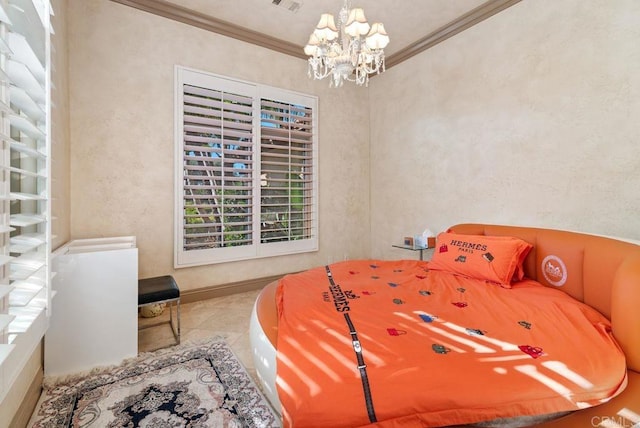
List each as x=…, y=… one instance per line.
x=223, y=316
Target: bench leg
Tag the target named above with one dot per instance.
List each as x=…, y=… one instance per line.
x=175, y=325
x=175, y=329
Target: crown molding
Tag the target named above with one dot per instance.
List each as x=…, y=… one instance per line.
x=469, y=19
x=190, y=17
x=209, y=23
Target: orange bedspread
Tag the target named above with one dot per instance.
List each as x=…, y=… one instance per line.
x=436, y=349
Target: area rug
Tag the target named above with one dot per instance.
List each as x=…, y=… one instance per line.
x=193, y=385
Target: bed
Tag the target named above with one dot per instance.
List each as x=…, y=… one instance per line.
x=505, y=325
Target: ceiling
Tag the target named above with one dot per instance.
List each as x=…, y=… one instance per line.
x=412, y=25
x=406, y=21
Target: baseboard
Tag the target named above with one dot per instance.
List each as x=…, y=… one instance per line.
x=189, y=296
x=28, y=405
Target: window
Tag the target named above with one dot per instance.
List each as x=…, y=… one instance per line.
x=246, y=161
x=24, y=185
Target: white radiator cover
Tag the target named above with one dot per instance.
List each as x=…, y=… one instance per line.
x=94, y=316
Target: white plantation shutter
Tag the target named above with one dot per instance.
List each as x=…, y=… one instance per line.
x=287, y=172
x=25, y=293
x=246, y=170
x=218, y=163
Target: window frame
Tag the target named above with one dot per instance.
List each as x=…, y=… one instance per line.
x=25, y=168
x=256, y=249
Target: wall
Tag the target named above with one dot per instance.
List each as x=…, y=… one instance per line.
x=121, y=94
x=60, y=165
x=529, y=118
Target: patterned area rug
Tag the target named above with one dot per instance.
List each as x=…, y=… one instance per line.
x=193, y=385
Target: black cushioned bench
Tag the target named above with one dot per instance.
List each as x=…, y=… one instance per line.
x=161, y=289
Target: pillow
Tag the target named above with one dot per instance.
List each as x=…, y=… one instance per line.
x=519, y=273
x=495, y=259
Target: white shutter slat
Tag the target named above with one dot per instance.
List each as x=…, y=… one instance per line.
x=229, y=133
x=25, y=172
x=21, y=196
x=202, y=182
x=26, y=104
x=226, y=119
x=27, y=242
x=285, y=156
x=206, y=170
x=25, y=150
x=27, y=126
x=24, y=220
x=213, y=224
x=300, y=111
x=23, y=267
x=220, y=187
x=210, y=206
x=203, y=151
x=241, y=114
x=24, y=294
x=208, y=161
x=285, y=135
x=212, y=215
x=233, y=98
x=21, y=76
x=23, y=53
x=218, y=101
x=282, y=126
x=210, y=140
x=209, y=197
x=274, y=141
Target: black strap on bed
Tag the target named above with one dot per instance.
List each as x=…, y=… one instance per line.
x=362, y=367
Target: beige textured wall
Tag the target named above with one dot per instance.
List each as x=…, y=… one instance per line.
x=60, y=166
x=121, y=74
x=529, y=118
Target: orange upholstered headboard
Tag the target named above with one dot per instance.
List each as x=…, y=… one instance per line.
x=601, y=272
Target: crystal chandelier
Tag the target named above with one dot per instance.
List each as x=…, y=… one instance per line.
x=350, y=52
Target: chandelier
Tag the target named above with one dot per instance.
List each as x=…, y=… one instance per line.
x=352, y=51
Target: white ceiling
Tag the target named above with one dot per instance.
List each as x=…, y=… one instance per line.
x=406, y=21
